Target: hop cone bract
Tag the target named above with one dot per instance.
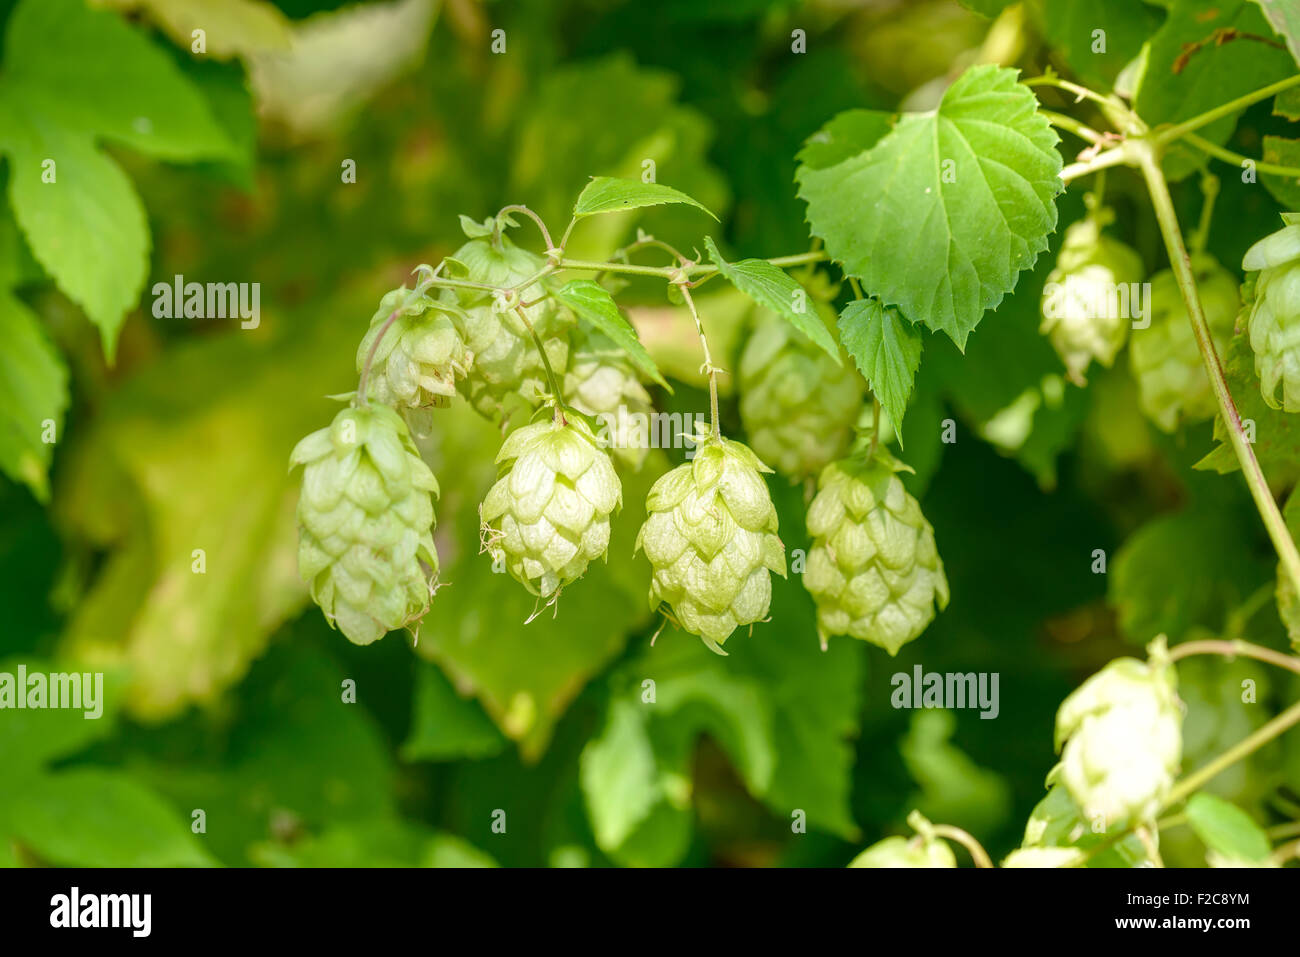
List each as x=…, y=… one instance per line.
x=508, y=378
x=873, y=567
x=1274, y=321
x=1081, y=297
x=420, y=357
x=1166, y=360
x=1122, y=736
x=366, y=523
x=548, y=514
x=602, y=382
x=710, y=536
x=798, y=407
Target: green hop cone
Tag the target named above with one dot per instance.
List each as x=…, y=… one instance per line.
x=1044, y=857
x=1121, y=731
x=365, y=517
x=1167, y=363
x=508, y=378
x=1080, y=299
x=906, y=852
x=548, y=514
x=1274, y=318
x=421, y=355
x=710, y=536
x=602, y=382
x=798, y=407
x=873, y=568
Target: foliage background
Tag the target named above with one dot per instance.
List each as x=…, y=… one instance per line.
x=226, y=686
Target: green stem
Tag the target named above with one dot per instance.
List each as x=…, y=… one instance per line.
x=557, y=395
x=1210, y=192
x=1234, y=649
x=966, y=840
x=1178, y=131
x=708, y=361
x=668, y=272
x=1246, y=746
x=1115, y=156
x=518, y=208
x=1069, y=123
x=1237, y=159
x=1148, y=158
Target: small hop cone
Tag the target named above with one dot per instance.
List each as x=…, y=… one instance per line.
x=602, y=382
x=508, y=379
x=923, y=850
x=420, y=358
x=798, y=407
x=1166, y=361
x=1121, y=731
x=1274, y=319
x=548, y=514
x=710, y=536
x=873, y=568
x=1044, y=857
x=365, y=523
x=1079, y=300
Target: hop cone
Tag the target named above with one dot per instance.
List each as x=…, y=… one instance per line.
x=1122, y=736
x=1044, y=857
x=548, y=514
x=906, y=852
x=508, y=378
x=602, y=382
x=710, y=536
x=1166, y=360
x=873, y=568
x=1274, y=322
x=421, y=355
x=365, y=523
x=798, y=407
x=1080, y=313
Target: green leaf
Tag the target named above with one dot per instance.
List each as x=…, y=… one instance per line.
x=31, y=738
x=1057, y=822
x=446, y=726
x=1188, y=72
x=1284, y=152
x=33, y=392
x=592, y=302
x=98, y=818
x=845, y=136
x=386, y=842
x=772, y=287
x=887, y=350
x=605, y=194
x=1284, y=15
x=1226, y=828
x=231, y=27
x=987, y=8
x=953, y=788
x=940, y=217
x=620, y=776
x=1097, y=59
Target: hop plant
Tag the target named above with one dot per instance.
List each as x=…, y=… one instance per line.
x=365, y=522
x=508, y=377
x=798, y=407
x=1044, y=857
x=602, y=382
x=420, y=356
x=906, y=852
x=548, y=514
x=1122, y=736
x=1166, y=361
x=1079, y=300
x=873, y=568
x=1274, y=318
x=710, y=536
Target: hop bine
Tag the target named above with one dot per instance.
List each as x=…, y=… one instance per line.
x=797, y=406
x=1273, y=298
x=710, y=536
x=548, y=514
x=365, y=523
x=873, y=568
x=1121, y=735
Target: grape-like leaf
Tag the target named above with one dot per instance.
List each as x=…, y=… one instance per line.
x=1226, y=828
x=1098, y=38
x=606, y=194
x=592, y=302
x=940, y=216
x=887, y=350
x=772, y=287
x=845, y=136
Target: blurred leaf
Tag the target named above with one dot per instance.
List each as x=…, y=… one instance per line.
x=230, y=27
x=950, y=186
x=33, y=395
x=1098, y=38
x=1057, y=822
x=773, y=288
x=953, y=788
x=31, y=738
x=1226, y=828
x=605, y=194
x=388, y=842
x=1284, y=152
x=594, y=304
x=887, y=351
x=1285, y=18
x=446, y=726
